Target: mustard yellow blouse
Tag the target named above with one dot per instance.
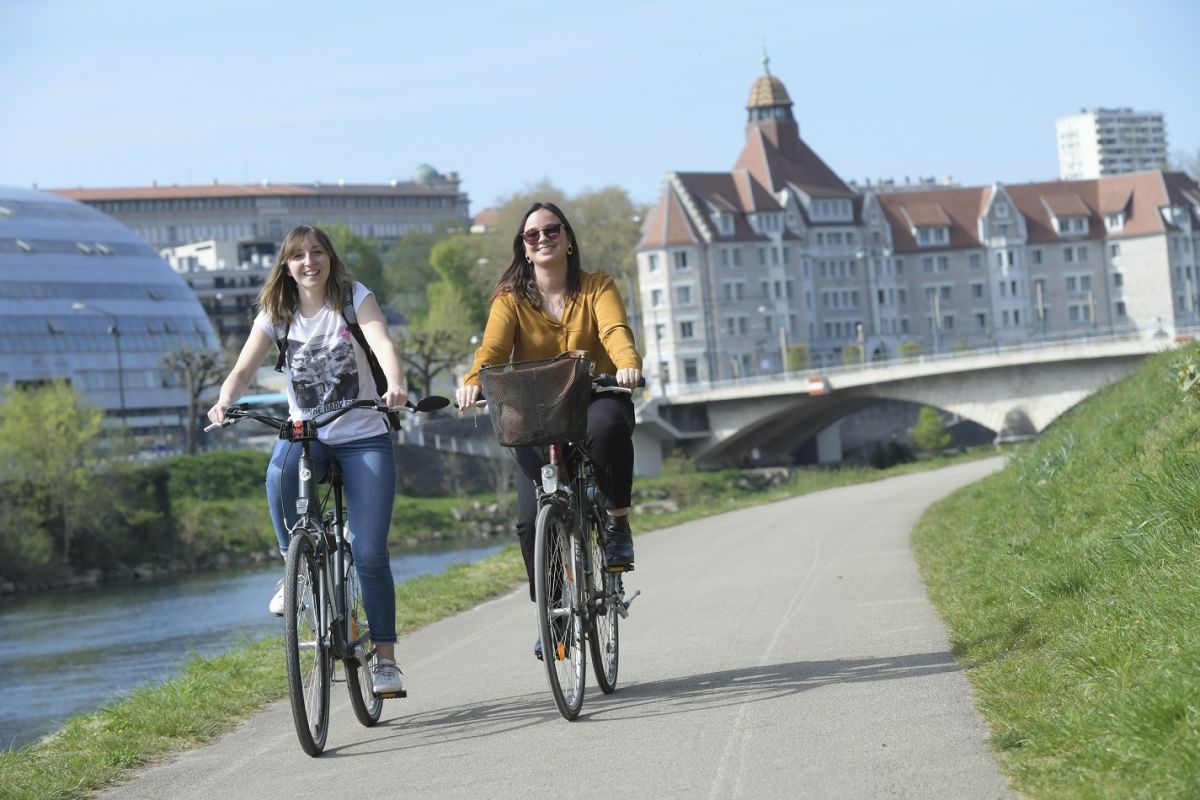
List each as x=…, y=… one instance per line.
x=594, y=321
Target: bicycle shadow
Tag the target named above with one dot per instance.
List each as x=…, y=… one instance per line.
x=685, y=694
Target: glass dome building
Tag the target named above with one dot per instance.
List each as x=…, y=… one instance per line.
x=82, y=298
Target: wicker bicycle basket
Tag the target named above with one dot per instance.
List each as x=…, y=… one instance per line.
x=538, y=402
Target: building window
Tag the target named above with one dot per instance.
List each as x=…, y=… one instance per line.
x=691, y=373
x=1118, y=279
x=1114, y=249
x=1121, y=309
x=977, y=290
x=1037, y=256
x=681, y=259
x=1083, y=253
x=980, y=320
x=685, y=330
x=656, y=298
x=1069, y=255
x=974, y=260
x=683, y=295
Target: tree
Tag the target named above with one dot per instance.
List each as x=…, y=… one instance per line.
x=797, y=357
x=196, y=371
x=1188, y=163
x=47, y=454
x=427, y=354
x=407, y=269
x=910, y=349
x=363, y=257
x=930, y=433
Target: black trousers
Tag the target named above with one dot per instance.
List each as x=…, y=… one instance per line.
x=609, y=440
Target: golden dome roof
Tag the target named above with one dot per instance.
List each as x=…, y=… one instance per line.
x=768, y=91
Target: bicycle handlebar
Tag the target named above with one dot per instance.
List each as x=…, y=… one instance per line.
x=236, y=413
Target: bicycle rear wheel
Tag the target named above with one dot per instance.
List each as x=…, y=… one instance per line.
x=367, y=706
x=603, y=619
x=556, y=589
x=309, y=657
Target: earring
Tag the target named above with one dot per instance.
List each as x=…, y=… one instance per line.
x=570, y=249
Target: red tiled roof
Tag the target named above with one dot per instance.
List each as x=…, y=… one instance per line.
x=800, y=166
x=221, y=190
x=1065, y=204
x=958, y=209
x=668, y=225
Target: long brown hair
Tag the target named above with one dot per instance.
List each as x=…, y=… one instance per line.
x=280, y=298
x=518, y=279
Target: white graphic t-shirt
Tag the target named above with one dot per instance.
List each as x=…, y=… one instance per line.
x=328, y=370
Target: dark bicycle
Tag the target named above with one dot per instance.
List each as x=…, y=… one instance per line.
x=324, y=617
x=579, y=600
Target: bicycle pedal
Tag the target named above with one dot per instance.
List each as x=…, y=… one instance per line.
x=390, y=695
x=619, y=568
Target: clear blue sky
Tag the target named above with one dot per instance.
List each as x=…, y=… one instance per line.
x=124, y=92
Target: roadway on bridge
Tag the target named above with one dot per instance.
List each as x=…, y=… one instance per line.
x=783, y=651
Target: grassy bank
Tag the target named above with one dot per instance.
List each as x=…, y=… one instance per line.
x=214, y=694
x=1070, y=582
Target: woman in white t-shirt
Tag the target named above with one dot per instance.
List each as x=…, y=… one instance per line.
x=326, y=369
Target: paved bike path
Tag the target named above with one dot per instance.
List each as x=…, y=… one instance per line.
x=783, y=651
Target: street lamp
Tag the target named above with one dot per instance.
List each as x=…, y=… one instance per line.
x=116, y=334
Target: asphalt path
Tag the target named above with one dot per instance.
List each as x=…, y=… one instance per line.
x=782, y=651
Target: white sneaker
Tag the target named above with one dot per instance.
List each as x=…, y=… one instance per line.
x=276, y=604
x=385, y=679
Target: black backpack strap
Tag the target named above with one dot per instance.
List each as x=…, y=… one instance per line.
x=351, y=317
x=282, y=344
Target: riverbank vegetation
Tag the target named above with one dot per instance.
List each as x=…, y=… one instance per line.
x=1070, y=582
x=213, y=694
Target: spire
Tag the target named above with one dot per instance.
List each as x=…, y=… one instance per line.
x=766, y=61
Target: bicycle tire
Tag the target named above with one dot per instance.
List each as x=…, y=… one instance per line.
x=367, y=706
x=557, y=592
x=308, y=652
x=603, y=619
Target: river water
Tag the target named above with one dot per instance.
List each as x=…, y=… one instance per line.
x=65, y=653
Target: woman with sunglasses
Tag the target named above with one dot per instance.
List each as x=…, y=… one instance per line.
x=544, y=304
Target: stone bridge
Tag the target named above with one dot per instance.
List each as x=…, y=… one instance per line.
x=1014, y=391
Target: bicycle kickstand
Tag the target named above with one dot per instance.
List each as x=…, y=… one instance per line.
x=623, y=606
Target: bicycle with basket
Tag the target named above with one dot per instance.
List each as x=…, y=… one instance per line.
x=544, y=403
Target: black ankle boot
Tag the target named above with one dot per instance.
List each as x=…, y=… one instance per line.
x=618, y=545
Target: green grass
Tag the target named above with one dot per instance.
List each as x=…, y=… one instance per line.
x=213, y=694
x=1070, y=582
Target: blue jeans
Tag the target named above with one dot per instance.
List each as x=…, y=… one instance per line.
x=369, y=480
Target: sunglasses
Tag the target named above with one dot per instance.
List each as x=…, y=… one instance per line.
x=552, y=232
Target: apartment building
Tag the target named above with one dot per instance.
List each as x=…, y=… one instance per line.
x=738, y=268
x=1110, y=141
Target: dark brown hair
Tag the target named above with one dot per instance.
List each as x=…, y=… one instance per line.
x=518, y=279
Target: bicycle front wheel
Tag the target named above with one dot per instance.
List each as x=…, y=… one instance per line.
x=557, y=572
x=309, y=658
x=603, y=619
x=367, y=706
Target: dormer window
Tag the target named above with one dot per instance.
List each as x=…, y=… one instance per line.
x=1114, y=222
x=832, y=210
x=1072, y=226
x=928, y=236
x=1002, y=210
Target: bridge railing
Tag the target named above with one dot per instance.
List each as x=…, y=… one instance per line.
x=1154, y=337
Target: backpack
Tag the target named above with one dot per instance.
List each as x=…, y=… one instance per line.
x=351, y=318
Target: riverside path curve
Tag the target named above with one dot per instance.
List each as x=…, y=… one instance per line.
x=782, y=651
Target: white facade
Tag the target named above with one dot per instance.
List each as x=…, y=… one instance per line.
x=1110, y=141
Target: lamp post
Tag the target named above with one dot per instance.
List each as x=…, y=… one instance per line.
x=116, y=334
